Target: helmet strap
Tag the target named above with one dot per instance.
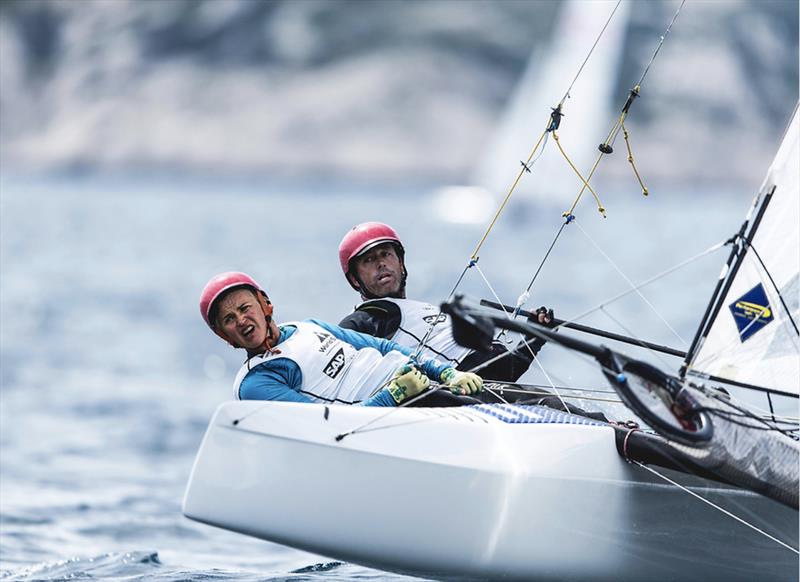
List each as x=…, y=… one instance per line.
x=266, y=308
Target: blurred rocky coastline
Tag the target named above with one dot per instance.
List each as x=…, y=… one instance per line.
x=352, y=89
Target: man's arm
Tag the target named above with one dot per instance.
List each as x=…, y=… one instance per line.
x=375, y=318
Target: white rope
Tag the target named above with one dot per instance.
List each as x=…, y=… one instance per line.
x=527, y=346
x=652, y=279
x=494, y=293
x=502, y=332
x=633, y=287
x=547, y=377
x=715, y=506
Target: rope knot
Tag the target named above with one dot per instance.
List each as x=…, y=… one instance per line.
x=555, y=119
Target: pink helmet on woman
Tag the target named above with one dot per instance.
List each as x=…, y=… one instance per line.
x=364, y=237
x=221, y=284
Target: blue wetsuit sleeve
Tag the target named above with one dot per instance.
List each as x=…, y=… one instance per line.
x=277, y=379
x=382, y=398
x=280, y=379
x=432, y=368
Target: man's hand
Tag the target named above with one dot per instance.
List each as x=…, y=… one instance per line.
x=542, y=316
x=407, y=383
x=464, y=383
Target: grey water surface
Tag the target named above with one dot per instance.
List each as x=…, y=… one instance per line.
x=109, y=375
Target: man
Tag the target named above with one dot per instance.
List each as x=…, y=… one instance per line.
x=313, y=361
x=372, y=258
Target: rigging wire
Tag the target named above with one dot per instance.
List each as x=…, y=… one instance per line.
x=553, y=124
x=742, y=411
x=729, y=417
x=661, y=42
x=578, y=74
x=715, y=506
x=751, y=408
x=774, y=285
x=543, y=393
x=508, y=352
x=634, y=288
x=653, y=279
x=631, y=333
x=605, y=148
x=424, y=341
x=528, y=385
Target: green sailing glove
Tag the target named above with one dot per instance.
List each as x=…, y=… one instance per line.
x=464, y=383
x=407, y=383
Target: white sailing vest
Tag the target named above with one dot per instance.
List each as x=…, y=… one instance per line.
x=416, y=320
x=332, y=370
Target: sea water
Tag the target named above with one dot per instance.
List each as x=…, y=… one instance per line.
x=109, y=376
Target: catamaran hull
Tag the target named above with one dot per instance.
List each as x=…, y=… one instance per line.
x=461, y=493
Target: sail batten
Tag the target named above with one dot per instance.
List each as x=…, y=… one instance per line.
x=751, y=336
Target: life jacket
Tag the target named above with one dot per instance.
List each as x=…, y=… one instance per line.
x=332, y=370
x=416, y=318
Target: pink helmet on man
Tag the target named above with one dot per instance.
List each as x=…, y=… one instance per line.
x=221, y=284
x=364, y=237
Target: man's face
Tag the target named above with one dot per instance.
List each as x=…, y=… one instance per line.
x=241, y=319
x=380, y=271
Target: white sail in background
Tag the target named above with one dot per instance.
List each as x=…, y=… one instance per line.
x=587, y=113
x=753, y=338
x=587, y=116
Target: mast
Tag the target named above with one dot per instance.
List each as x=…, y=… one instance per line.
x=748, y=335
x=740, y=244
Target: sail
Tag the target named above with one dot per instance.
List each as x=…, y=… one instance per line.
x=587, y=116
x=753, y=337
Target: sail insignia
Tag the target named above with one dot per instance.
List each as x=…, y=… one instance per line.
x=760, y=343
x=751, y=312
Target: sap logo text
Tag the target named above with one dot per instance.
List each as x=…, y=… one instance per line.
x=336, y=364
x=430, y=319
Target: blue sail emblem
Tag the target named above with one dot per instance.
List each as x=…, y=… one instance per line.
x=751, y=312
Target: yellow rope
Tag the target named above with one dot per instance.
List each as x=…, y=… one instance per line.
x=614, y=130
x=609, y=139
x=605, y=148
x=525, y=168
x=585, y=183
x=645, y=191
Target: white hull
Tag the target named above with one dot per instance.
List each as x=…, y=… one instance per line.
x=457, y=493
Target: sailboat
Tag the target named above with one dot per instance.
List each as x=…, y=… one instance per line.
x=530, y=493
